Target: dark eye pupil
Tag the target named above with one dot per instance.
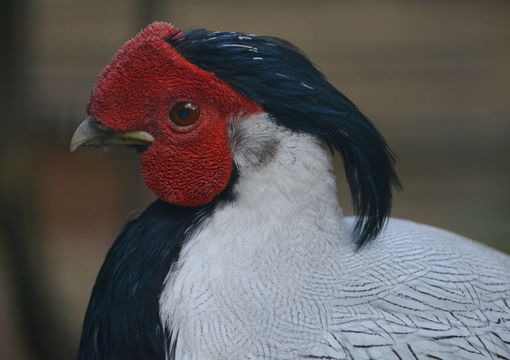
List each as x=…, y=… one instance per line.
x=183, y=113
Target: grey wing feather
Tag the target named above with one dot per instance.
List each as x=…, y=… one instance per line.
x=430, y=294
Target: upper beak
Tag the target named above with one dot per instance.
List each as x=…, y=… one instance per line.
x=90, y=134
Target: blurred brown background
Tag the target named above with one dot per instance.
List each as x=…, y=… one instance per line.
x=434, y=76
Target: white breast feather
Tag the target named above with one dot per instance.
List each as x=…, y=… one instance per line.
x=274, y=274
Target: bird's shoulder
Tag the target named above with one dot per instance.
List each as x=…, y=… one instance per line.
x=404, y=241
x=425, y=293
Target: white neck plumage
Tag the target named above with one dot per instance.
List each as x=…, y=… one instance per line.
x=285, y=210
x=280, y=169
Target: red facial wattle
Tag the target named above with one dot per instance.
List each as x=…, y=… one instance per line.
x=146, y=78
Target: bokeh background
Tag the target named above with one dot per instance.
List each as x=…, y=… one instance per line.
x=434, y=76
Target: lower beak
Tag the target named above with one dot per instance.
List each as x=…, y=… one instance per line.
x=90, y=134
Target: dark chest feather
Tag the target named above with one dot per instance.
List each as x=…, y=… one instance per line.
x=122, y=319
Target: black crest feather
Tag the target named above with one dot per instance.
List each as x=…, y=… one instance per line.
x=276, y=75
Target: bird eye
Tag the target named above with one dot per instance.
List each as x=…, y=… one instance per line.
x=184, y=114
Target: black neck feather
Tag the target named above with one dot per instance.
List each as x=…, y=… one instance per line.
x=122, y=320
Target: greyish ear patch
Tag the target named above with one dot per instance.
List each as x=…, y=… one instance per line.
x=253, y=141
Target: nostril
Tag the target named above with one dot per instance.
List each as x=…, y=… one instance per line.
x=97, y=123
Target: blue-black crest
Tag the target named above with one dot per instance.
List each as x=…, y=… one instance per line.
x=276, y=75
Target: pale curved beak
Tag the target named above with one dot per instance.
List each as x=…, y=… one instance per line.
x=91, y=134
